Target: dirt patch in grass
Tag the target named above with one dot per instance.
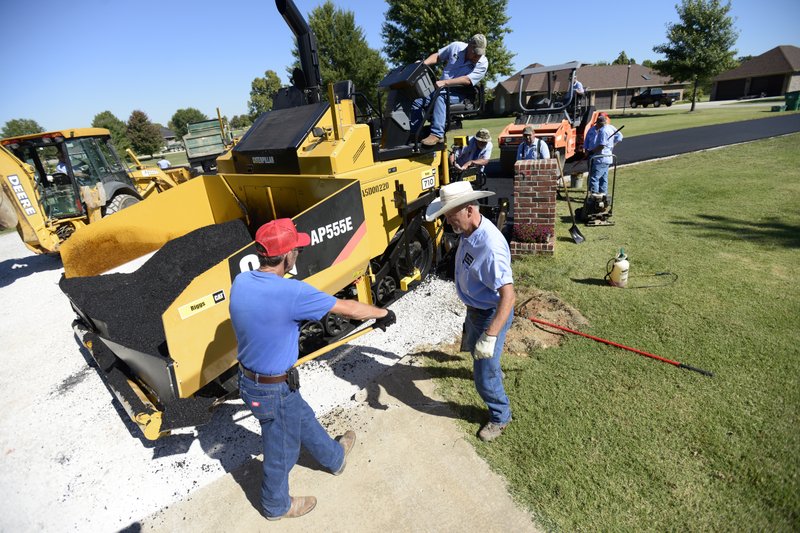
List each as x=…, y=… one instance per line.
x=525, y=335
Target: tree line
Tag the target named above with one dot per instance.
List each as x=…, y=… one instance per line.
x=698, y=47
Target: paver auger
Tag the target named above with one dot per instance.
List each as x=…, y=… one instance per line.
x=152, y=297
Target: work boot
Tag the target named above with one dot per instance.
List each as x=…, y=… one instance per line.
x=491, y=431
x=431, y=140
x=347, y=441
x=300, y=505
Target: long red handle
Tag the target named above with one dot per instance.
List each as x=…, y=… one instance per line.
x=612, y=343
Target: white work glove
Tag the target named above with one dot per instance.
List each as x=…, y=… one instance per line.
x=484, y=348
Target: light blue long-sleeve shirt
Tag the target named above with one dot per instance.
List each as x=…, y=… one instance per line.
x=473, y=152
x=456, y=64
x=605, y=137
x=537, y=150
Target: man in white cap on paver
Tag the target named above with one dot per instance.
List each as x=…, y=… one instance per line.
x=485, y=284
x=465, y=65
x=477, y=153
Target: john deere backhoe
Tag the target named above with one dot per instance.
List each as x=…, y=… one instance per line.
x=152, y=297
x=57, y=182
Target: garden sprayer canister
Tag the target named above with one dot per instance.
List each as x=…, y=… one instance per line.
x=617, y=273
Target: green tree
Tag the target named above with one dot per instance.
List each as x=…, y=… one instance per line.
x=701, y=45
x=261, y=91
x=145, y=136
x=343, y=50
x=179, y=123
x=20, y=126
x=648, y=63
x=241, y=121
x=118, y=129
x=414, y=29
x=623, y=59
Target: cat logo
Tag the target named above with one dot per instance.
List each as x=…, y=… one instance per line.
x=201, y=304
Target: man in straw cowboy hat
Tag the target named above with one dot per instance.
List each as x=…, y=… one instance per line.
x=485, y=284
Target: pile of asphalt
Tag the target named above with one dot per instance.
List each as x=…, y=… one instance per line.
x=129, y=306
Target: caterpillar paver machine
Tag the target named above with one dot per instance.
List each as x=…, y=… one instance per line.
x=356, y=182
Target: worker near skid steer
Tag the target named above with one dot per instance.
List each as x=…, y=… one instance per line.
x=484, y=283
x=266, y=312
x=600, y=139
x=465, y=65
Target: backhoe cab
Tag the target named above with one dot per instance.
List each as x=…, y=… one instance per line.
x=68, y=179
x=57, y=182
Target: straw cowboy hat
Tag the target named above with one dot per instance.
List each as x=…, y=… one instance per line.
x=451, y=196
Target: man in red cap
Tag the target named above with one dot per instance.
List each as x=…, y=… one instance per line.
x=266, y=311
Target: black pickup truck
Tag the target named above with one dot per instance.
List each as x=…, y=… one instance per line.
x=655, y=97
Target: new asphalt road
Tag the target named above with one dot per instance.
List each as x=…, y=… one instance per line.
x=670, y=143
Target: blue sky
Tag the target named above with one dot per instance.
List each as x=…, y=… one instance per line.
x=64, y=62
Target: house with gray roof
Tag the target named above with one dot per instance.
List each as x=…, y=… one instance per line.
x=773, y=73
x=607, y=86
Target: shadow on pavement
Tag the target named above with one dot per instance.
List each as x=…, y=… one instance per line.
x=13, y=269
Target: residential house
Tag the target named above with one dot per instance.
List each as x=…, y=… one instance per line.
x=773, y=73
x=607, y=86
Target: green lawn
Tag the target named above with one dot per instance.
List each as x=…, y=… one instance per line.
x=607, y=440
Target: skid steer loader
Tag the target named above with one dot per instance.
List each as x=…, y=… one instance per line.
x=152, y=297
x=55, y=183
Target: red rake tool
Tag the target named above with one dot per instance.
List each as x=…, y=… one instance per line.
x=634, y=350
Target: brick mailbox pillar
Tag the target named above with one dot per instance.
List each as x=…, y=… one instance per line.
x=535, y=202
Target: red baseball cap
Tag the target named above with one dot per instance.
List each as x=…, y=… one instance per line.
x=280, y=236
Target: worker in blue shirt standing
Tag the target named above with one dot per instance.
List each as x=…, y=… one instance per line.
x=600, y=141
x=267, y=310
x=531, y=147
x=465, y=65
x=485, y=284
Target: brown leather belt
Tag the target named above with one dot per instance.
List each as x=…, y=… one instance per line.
x=261, y=378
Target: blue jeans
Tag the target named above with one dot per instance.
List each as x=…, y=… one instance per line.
x=598, y=177
x=438, y=116
x=486, y=372
x=287, y=422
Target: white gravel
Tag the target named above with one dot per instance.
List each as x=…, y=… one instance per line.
x=71, y=459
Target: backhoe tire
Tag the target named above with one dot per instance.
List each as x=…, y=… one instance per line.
x=120, y=202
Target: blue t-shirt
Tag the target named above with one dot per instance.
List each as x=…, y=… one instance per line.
x=456, y=64
x=483, y=265
x=266, y=313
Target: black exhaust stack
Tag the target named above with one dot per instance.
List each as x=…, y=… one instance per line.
x=308, y=78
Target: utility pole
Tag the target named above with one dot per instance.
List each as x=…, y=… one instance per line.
x=627, y=77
